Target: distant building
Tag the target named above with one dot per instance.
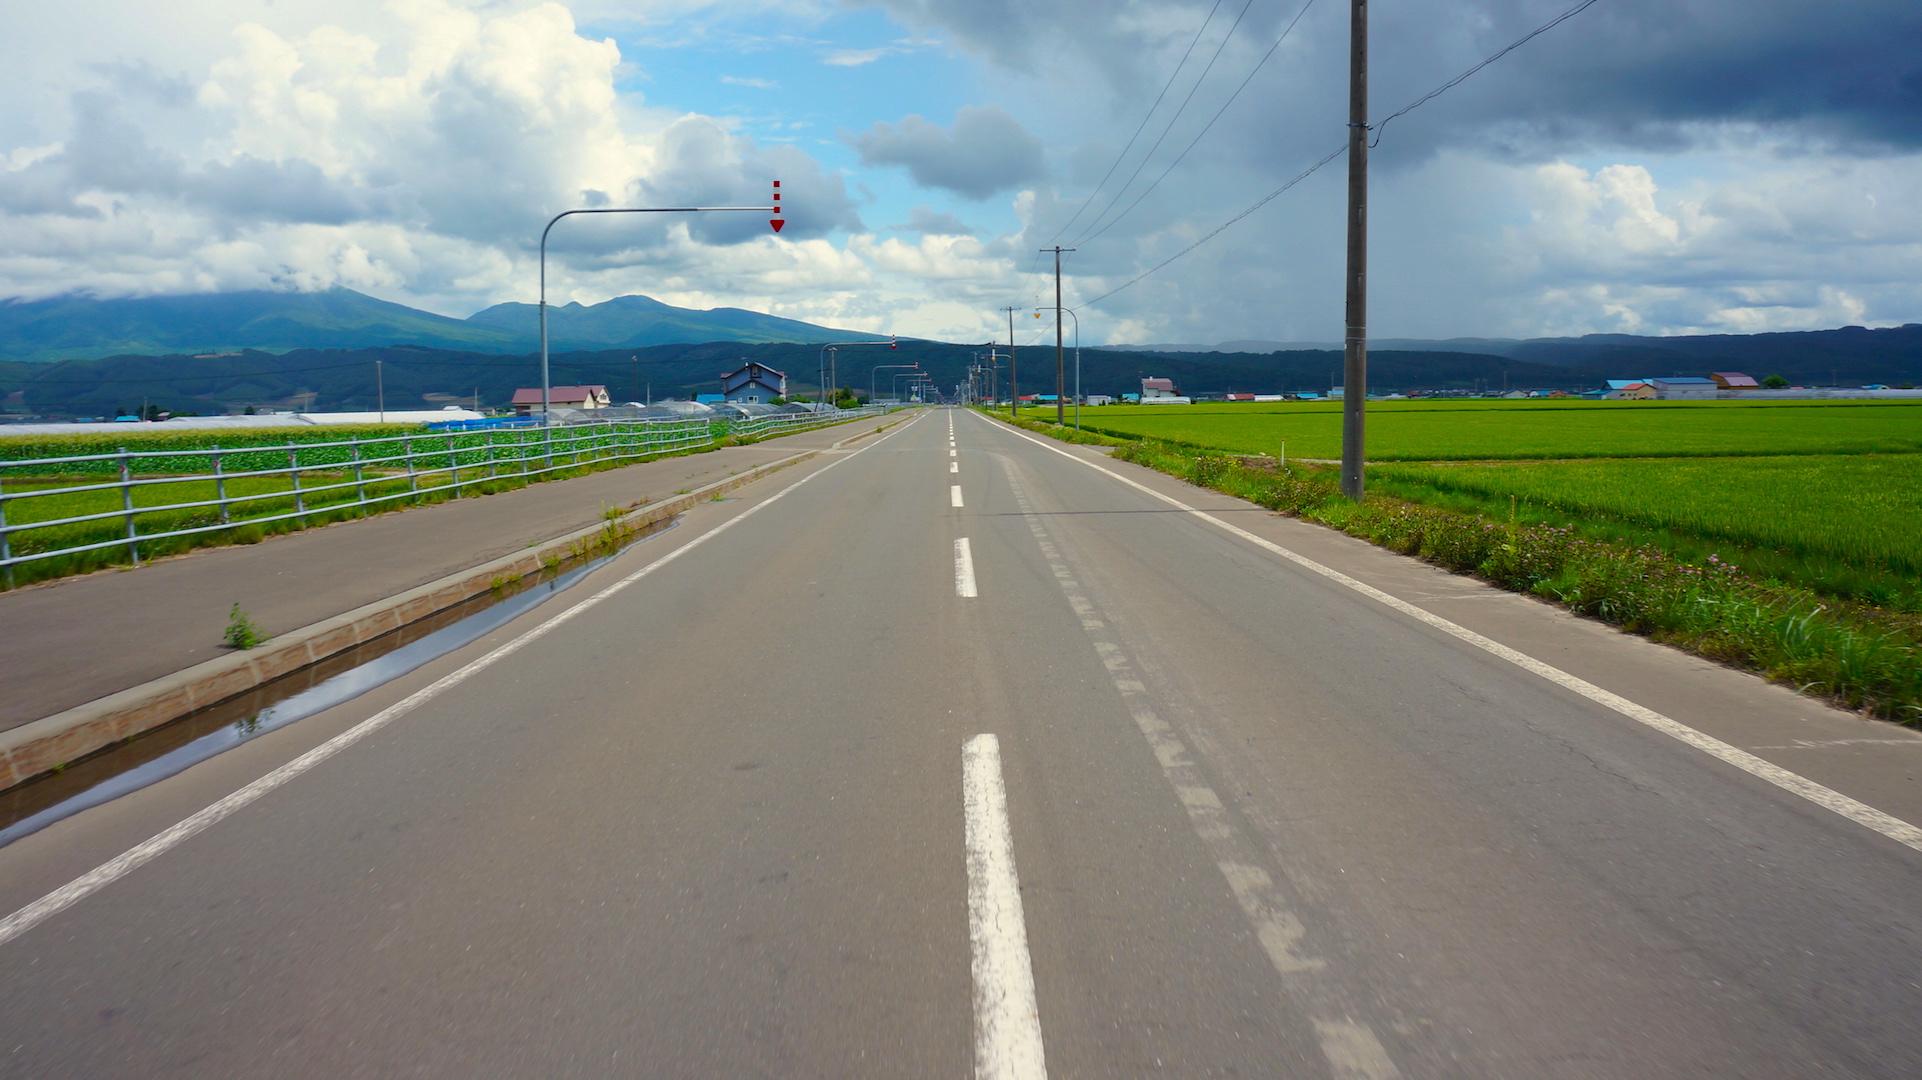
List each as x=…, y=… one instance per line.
x=710, y=399
x=1240, y=397
x=1733, y=380
x=1629, y=390
x=753, y=383
x=1684, y=388
x=527, y=400
x=1152, y=388
x=1098, y=399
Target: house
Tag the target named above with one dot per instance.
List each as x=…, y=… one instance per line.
x=1628, y=390
x=1240, y=397
x=527, y=400
x=753, y=383
x=1684, y=388
x=1152, y=388
x=1733, y=380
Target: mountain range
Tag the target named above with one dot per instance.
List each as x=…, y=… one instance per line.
x=82, y=327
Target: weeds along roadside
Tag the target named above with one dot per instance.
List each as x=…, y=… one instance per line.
x=1855, y=657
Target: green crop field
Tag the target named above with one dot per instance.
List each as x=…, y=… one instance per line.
x=1821, y=495
x=1483, y=430
x=1844, y=525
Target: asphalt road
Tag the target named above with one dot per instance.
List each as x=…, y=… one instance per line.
x=808, y=787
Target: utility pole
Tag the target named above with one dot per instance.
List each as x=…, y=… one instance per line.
x=380, y=392
x=1355, y=344
x=1060, y=371
x=637, y=368
x=1014, y=388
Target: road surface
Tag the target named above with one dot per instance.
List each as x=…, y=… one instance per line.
x=955, y=751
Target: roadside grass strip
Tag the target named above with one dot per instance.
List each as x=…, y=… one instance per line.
x=1856, y=656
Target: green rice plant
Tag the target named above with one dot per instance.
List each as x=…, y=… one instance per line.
x=1540, y=428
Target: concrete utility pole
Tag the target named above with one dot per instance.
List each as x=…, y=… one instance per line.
x=1014, y=388
x=380, y=392
x=1060, y=373
x=1355, y=344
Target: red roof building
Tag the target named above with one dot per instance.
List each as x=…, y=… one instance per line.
x=527, y=400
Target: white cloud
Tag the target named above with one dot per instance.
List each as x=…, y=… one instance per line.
x=750, y=82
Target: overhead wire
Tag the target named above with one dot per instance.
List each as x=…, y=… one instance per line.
x=1183, y=107
x=1464, y=76
x=1204, y=130
x=1418, y=102
x=1141, y=127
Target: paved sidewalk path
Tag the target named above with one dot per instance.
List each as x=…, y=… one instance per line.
x=69, y=642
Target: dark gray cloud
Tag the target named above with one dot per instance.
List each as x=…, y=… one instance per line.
x=1626, y=72
x=986, y=151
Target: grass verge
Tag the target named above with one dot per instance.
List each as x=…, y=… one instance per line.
x=1856, y=657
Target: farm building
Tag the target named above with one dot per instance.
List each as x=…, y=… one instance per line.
x=1733, y=380
x=1152, y=388
x=527, y=399
x=753, y=383
x=1098, y=399
x=1684, y=388
x=1629, y=390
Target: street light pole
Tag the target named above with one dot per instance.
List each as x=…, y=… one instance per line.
x=833, y=348
x=380, y=391
x=878, y=368
x=546, y=382
x=1077, y=356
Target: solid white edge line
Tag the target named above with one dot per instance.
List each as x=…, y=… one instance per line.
x=954, y=495
x=160, y=843
x=963, y=568
x=1007, y=1021
x=1902, y=832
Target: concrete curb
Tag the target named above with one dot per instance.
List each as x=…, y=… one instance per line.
x=50, y=742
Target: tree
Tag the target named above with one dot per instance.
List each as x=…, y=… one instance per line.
x=1775, y=382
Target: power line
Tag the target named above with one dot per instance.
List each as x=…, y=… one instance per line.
x=1584, y=5
x=1223, y=227
x=1464, y=76
x=1143, y=126
x=1211, y=123
x=1145, y=158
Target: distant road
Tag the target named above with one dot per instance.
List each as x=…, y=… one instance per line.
x=959, y=750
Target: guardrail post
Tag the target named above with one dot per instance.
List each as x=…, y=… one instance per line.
x=453, y=465
x=360, y=474
x=493, y=455
x=413, y=479
x=6, y=545
x=293, y=469
x=220, y=484
x=126, y=503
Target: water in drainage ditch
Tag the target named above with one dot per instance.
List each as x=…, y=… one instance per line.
x=173, y=747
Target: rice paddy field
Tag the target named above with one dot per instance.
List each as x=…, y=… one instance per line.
x=1819, y=495
x=1549, y=428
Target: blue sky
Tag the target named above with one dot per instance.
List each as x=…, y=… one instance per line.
x=1673, y=167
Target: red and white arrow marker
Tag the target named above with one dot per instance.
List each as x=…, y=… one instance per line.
x=777, y=221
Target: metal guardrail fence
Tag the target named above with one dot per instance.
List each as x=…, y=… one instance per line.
x=208, y=489
x=761, y=427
